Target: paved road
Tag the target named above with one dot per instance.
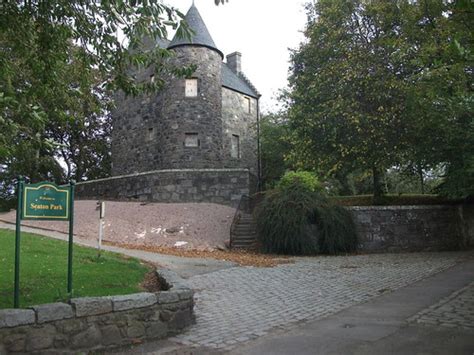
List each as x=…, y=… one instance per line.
x=330, y=305
x=386, y=325
x=236, y=305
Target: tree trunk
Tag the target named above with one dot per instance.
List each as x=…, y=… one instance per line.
x=377, y=174
x=422, y=180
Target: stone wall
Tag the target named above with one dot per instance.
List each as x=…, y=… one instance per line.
x=224, y=186
x=413, y=228
x=96, y=323
x=237, y=120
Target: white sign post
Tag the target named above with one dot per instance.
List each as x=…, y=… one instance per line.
x=101, y=207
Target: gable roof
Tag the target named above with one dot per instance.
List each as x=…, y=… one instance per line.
x=238, y=82
x=201, y=35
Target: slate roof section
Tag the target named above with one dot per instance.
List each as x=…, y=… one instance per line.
x=238, y=82
x=201, y=36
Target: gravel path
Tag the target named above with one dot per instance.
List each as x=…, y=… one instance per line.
x=202, y=226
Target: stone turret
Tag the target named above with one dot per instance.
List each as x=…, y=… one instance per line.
x=192, y=107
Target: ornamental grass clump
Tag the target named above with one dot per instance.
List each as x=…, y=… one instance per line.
x=294, y=219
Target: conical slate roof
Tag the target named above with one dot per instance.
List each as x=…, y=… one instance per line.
x=201, y=36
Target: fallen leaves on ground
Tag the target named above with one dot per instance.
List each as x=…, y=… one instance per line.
x=151, y=283
x=241, y=257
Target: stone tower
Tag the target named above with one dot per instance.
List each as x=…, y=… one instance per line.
x=196, y=140
x=192, y=108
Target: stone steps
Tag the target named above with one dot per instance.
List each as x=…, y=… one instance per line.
x=244, y=233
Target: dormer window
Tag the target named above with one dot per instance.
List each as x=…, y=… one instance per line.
x=191, y=88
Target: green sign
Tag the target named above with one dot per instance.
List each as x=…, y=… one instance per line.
x=45, y=201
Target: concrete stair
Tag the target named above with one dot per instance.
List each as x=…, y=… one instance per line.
x=244, y=233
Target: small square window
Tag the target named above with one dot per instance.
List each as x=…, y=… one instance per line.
x=235, y=146
x=191, y=140
x=191, y=89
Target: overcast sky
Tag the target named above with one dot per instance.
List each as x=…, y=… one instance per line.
x=262, y=30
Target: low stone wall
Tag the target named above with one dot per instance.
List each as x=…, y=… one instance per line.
x=224, y=186
x=413, y=228
x=95, y=323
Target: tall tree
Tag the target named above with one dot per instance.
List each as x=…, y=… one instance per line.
x=358, y=85
x=59, y=62
x=275, y=147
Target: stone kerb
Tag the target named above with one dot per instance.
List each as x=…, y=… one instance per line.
x=94, y=323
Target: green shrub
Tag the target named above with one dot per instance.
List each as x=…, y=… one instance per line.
x=307, y=179
x=7, y=204
x=293, y=220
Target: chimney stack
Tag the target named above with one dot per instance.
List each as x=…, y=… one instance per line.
x=234, y=62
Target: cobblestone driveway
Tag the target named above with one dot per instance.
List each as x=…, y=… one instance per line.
x=239, y=304
x=455, y=311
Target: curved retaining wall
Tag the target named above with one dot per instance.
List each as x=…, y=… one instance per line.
x=95, y=323
x=224, y=186
x=414, y=228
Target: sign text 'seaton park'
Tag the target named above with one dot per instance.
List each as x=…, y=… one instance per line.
x=45, y=201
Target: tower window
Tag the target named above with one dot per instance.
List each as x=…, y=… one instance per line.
x=247, y=104
x=191, y=89
x=150, y=134
x=191, y=140
x=235, y=146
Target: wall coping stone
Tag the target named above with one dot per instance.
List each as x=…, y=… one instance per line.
x=151, y=172
x=90, y=306
x=167, y=297
x=53, y=311
x=135, y=300
x=15, y=317
x=399, y=207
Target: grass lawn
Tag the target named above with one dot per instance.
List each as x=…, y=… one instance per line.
x=43, y=271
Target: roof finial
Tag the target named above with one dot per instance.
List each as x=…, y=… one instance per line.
x=193, y=3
